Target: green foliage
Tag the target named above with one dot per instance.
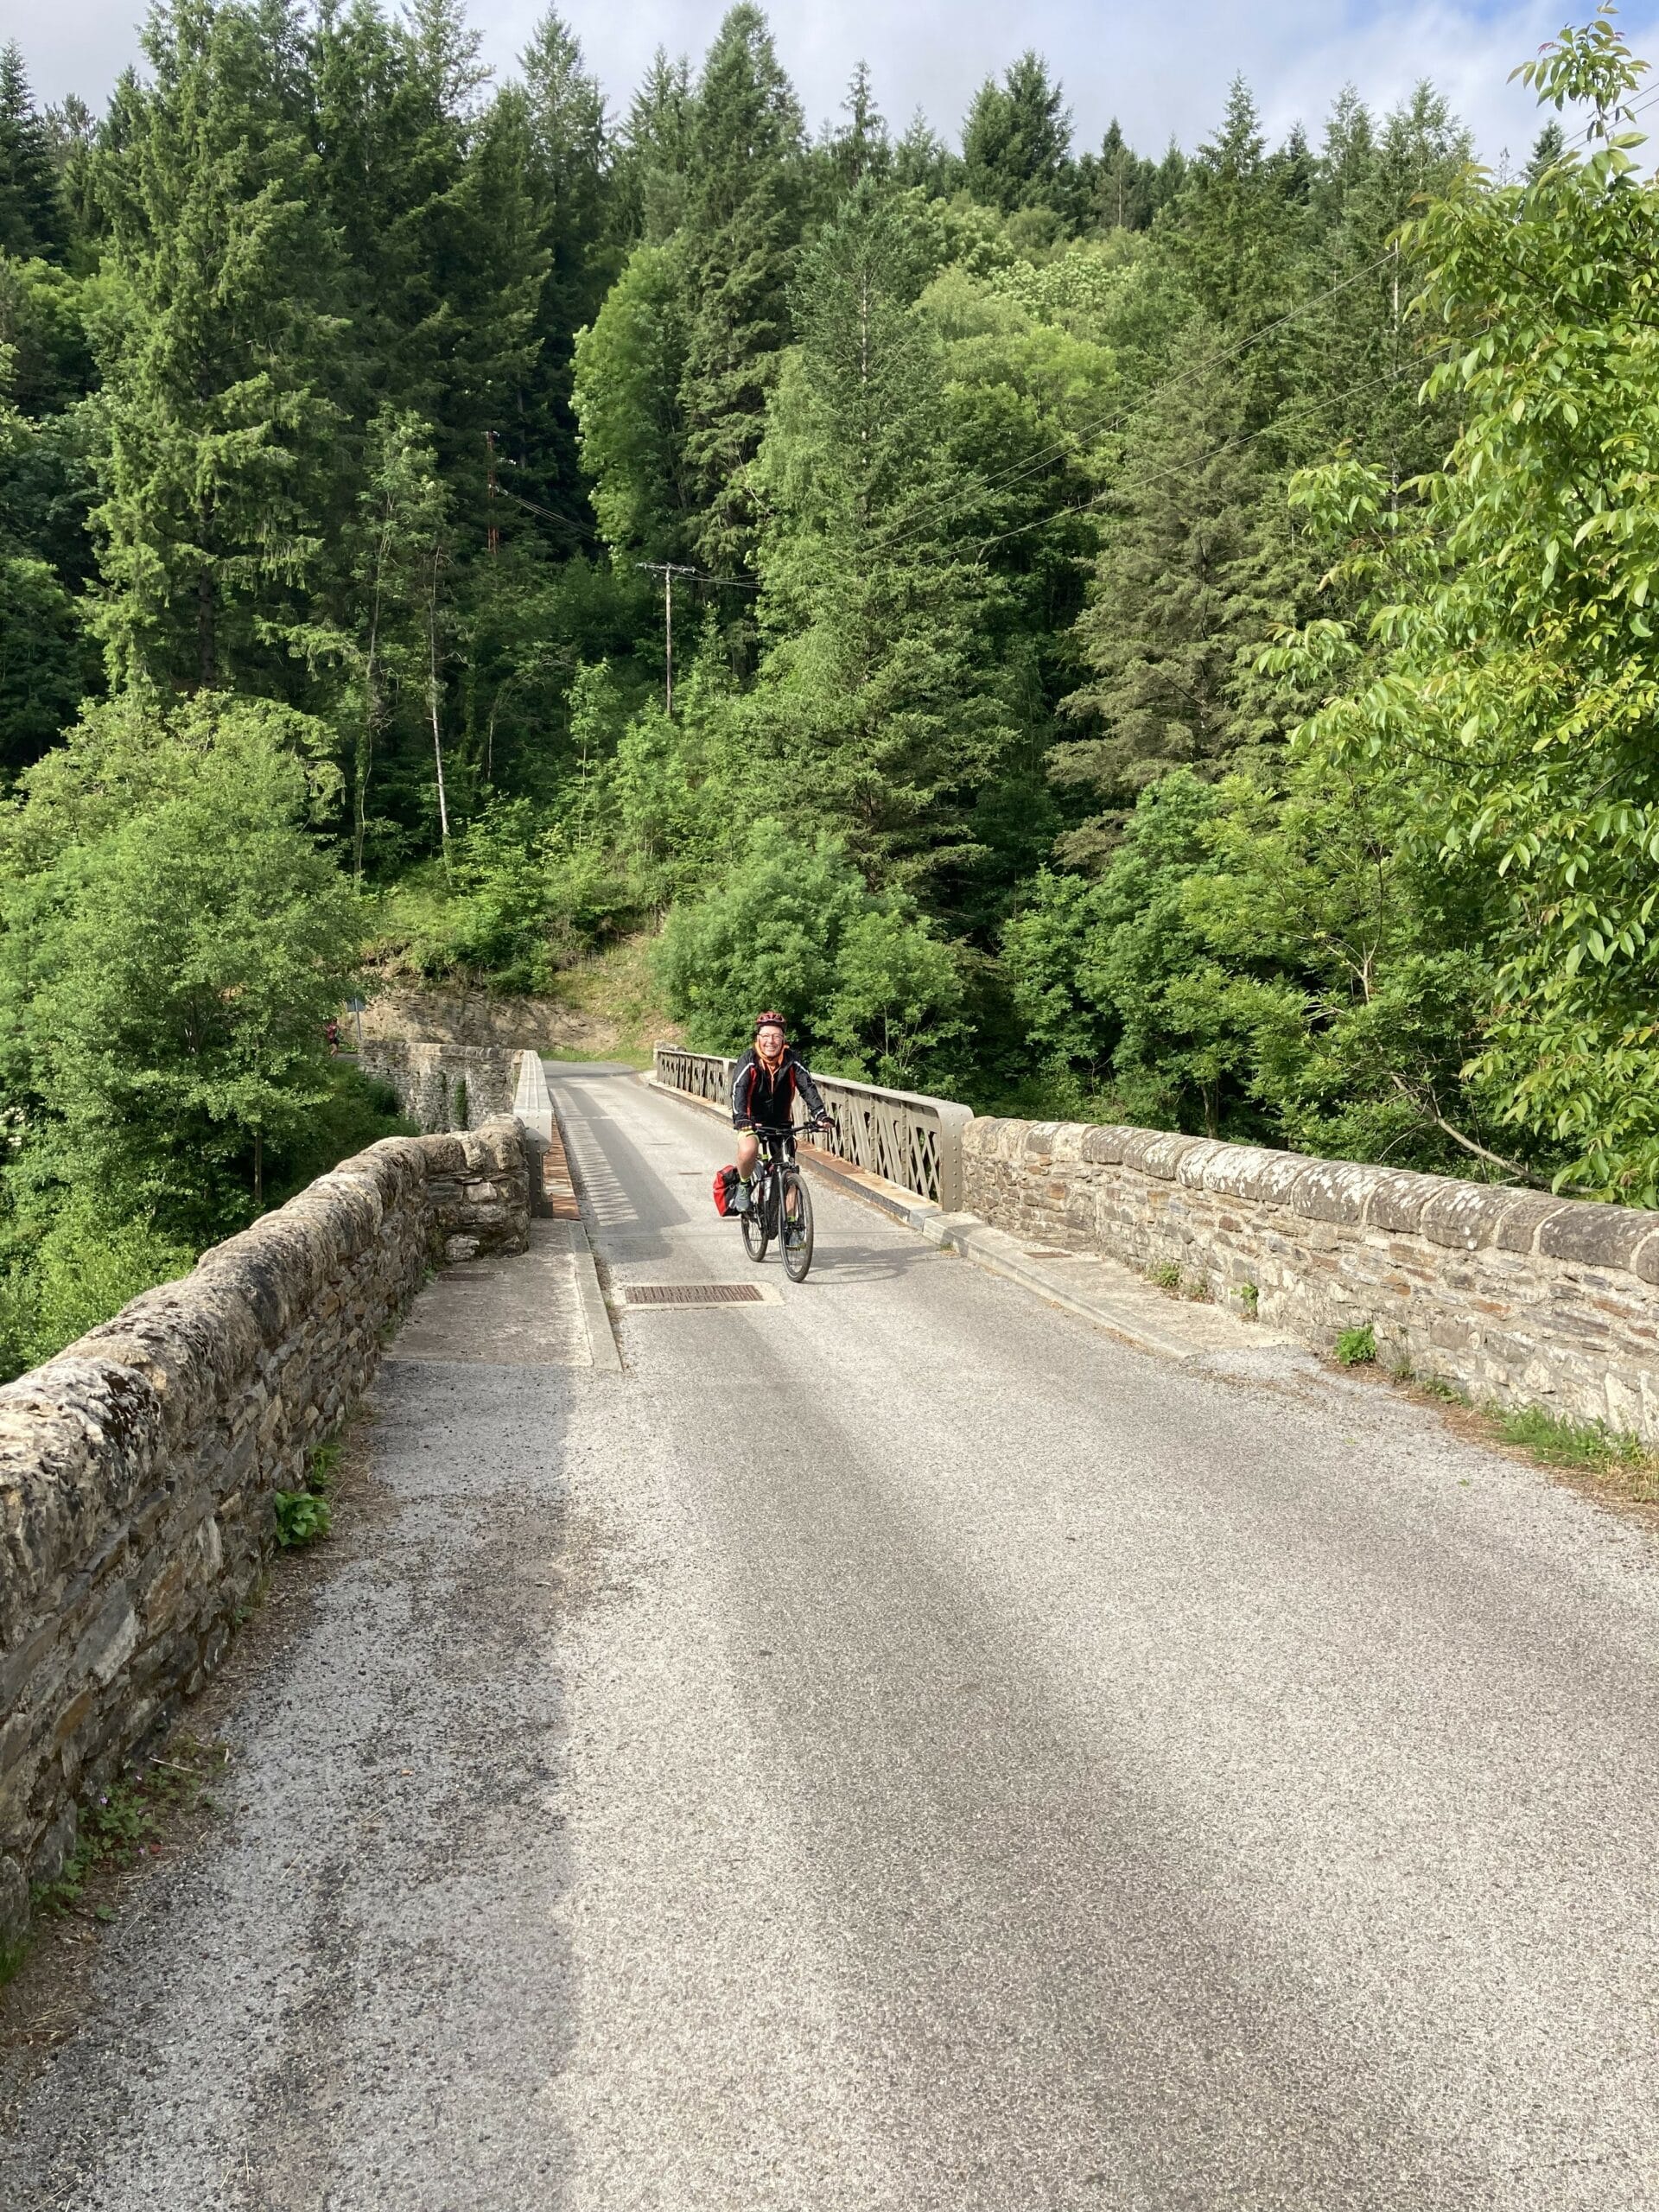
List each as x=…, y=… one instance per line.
x=304, y=1516
x=1506, y=682
x=863, y=983
x=82, y=1271
x=1589, y=1447
x=301, y=1518
x=630, y=364
x=1036, y=727
x=1356, y=1347
x=174, y=943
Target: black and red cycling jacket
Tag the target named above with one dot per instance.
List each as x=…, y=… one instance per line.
x=765, y=1099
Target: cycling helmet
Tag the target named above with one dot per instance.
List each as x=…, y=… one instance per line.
x=770, y=1020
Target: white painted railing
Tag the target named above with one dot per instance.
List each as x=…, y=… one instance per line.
x=901, y=1136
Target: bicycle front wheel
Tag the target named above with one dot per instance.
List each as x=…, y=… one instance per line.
x=756, y=1232
x=796, y=1225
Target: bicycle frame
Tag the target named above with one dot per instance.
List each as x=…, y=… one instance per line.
x=777, y=1149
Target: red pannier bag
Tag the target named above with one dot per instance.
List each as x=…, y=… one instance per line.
x=726, y=1180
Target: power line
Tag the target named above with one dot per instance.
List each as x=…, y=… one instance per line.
x=1104, y=425
x=1229, y=445
x=578, y=529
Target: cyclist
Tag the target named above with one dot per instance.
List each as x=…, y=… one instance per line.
x=768, y=1080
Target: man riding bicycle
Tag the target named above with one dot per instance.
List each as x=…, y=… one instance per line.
x=769, y=1079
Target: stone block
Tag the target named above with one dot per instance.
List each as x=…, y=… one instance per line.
x=1528, y=1211
x=1102, y=1146
x=1190, y=1165
x=1158, y=1153
x=1466, y=1216
x=1397, y=1199
x=1256, y=1172
x=1332, y=1190
x=1596, y=1236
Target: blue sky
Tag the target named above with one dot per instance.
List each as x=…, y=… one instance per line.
x=1160, y=69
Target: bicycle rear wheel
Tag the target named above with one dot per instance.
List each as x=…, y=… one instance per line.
x=796, y=1207
x=757, y=1233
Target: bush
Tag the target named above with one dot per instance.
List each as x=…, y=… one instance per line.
x=860, y=980
x=82, y=1271
x=354, y=1112
x=1356, y=1347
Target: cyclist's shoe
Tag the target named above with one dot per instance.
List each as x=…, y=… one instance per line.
x=740, y=1201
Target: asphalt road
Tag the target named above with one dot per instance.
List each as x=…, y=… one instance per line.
x=891, y=1748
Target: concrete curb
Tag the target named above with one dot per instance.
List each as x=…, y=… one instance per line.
x=1118, y=1309
x=605, y=1352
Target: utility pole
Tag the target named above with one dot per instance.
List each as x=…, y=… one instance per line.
x=492, y=536
x=667, y=570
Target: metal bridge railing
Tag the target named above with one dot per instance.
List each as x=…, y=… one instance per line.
x=902, y=1135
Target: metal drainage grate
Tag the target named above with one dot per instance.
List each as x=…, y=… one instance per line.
x=691, y=1294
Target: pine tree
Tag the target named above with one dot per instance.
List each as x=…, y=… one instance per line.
x=923, y=163
x=488, y=268
x=1185, y=583
x=882, y=677
x=1017, y=139
x=862, y=148
x=1124, y=193
x=1546, y=150
x=654, y=160
x=1359, y=367
x=743, y=218
x=31, y=221
x=1236, y=241
x=72, y=135
x=569, y=186
x=222, y=356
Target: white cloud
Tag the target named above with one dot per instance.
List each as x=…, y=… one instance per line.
x=1161, y=70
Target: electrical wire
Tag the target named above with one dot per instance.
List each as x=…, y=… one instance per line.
x=1104, y=425
x=1229, y=445
x=578, y=529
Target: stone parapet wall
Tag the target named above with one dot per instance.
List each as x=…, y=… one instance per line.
x=138, y=1468
x=428, y=1079
x=1514, y=1295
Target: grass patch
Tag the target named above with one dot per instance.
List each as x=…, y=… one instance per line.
x=1248, y=1295
x=118, y=1825
x=1356, y=1347
x=1590, y=1447
x=1167, y=1276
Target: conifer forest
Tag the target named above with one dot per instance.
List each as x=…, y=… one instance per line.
x=1147, y=634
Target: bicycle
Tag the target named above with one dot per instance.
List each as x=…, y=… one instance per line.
x=780, y=1205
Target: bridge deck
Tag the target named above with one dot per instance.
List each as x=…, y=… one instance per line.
x=893, y=1747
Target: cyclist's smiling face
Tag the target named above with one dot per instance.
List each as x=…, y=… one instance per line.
x=769, y=1043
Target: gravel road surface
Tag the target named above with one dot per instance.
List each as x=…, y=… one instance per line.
x=891, y=1748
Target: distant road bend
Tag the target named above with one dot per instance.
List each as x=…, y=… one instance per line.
x=890, y=1748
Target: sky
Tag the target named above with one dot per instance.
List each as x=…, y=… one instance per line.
x=1162, y=70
